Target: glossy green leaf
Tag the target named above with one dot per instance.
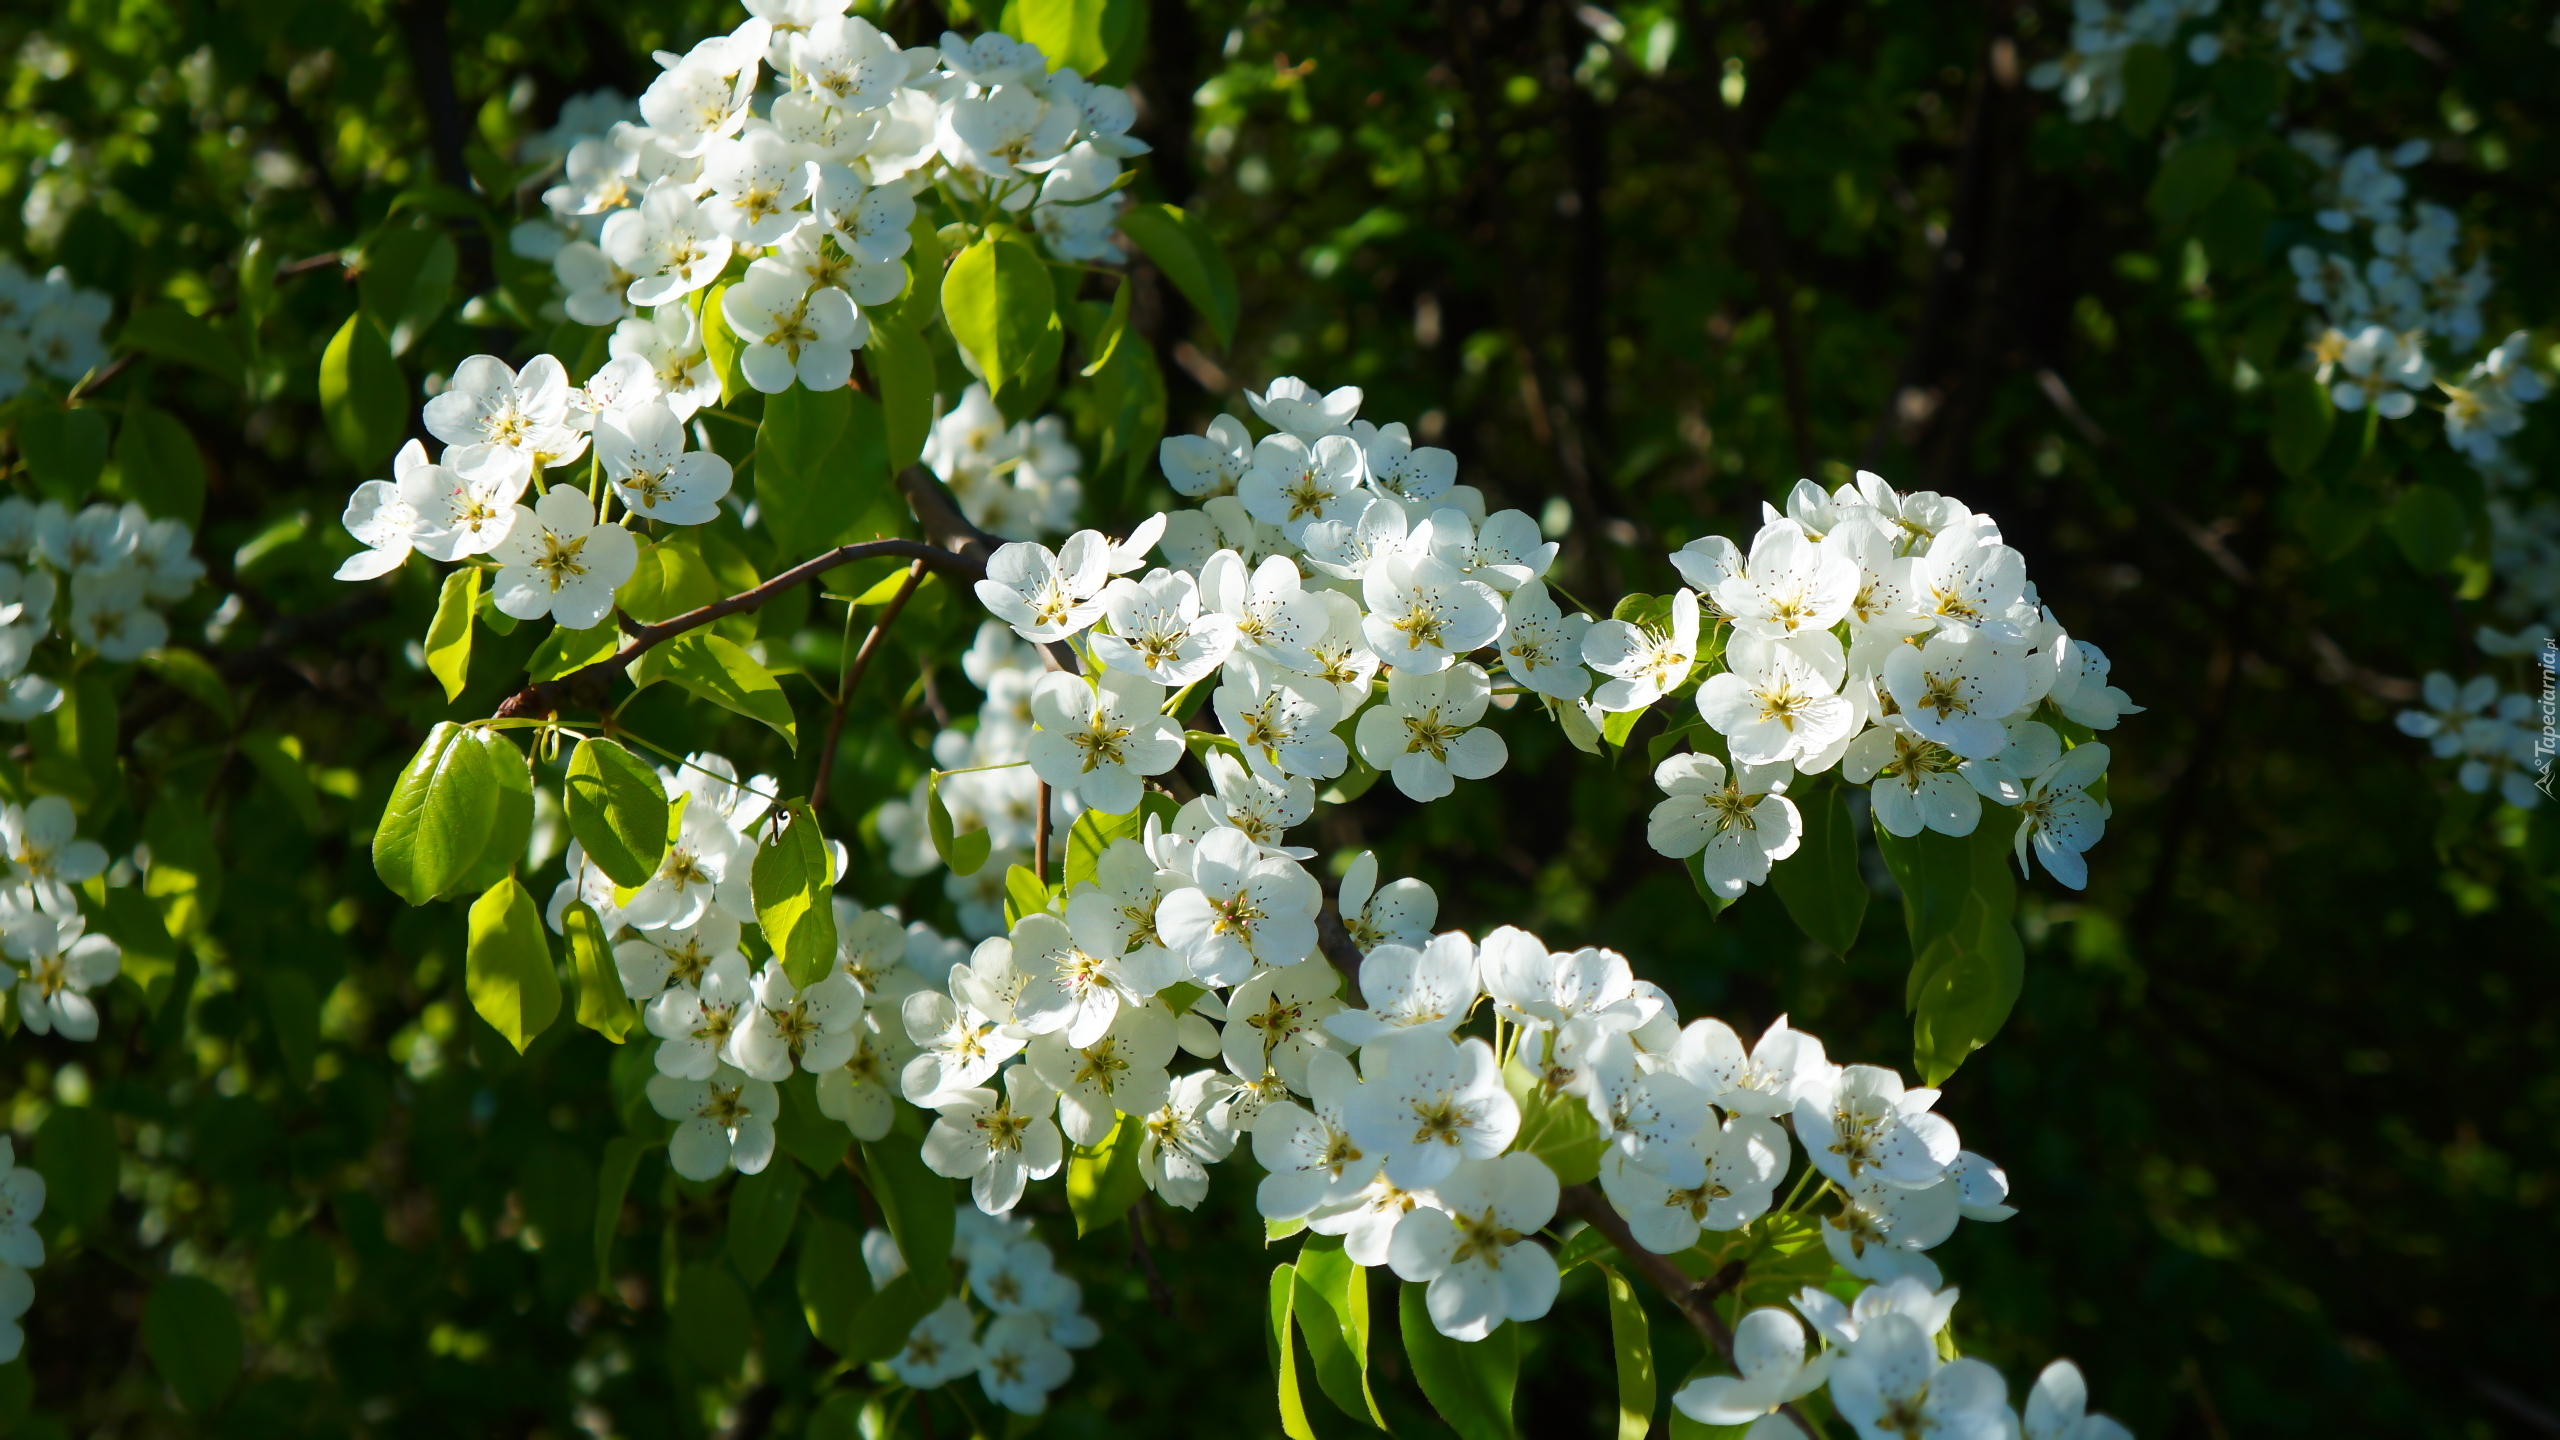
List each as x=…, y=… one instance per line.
x=437, y=822
x=617, y=807
x=158, y=466
x=185, y=878
x=879, y=1328
x=565, y=650
x=603, y=1005
x=1557, y=1128
x=1180, y=245
x=1280, y=1348
x=722, y=346
x=901, y=366
x=670, y=578
x=713, y=1318
x=613, y=1185
x=1820, y=883
x=716, y=669
x=1023, y=894
x=1468, y=1385
x=192, y=1333
x=166, y=331
x=819, y=465
x=832, y=1282
x=64, y=449
x=794, y=883
x=1935, y=873
x=1094, y=831
x=508, y=965
x=917, y=1205
x=964, y=853
x=998, y=301
x=1103, y=1181
x=191, y=673
x=1333, y=1314
x=363, y=396
x=512, y=826
x=1105, y=345
x=1100, y=39
x=278, y=760
x=763, y=1207
x=448, y=643
x=1632, y=1339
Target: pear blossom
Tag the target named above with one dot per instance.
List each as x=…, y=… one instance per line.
x=1792, y=583
x=1784, y=1066
x=1096, y=740
x=998, y=1143
x=941, y=1348
x=1275, y=1020
x=1262, y=802
x=693, y=104
x=388, y=516
x=1739, y=823
x=652, y=960
x=1005, y=132
x=1429, y=1105
x=2081, y=690
x=558, y=561
x=756, y=186
x=1159, y=632
x=1954, y=690
x=1478, y=1253
x=1243, y=911
x=1918, y=783
x=111, y=615
x=2060, y=818
x=704, y=870
x=1119, y=1071
x=1423, y=614
x=724, y=1119
x=1311, y=1159
x=45, y=851
x=1771, y=1370
x=861, y=1091
x=658, y=479
x=958, y=1048
x=1294, y=406
x=1776, y=705
x=63, y=964
x=1116, y=913
x=1968, y=581
x=1184, y=1137
x=1891, y=1385
x=1400, y=912
x=1046, y=596
x=1542, y=647
x=1076, y=981
x=849, y=64
x=1426, y=734
x=1841, y=1324
x=1426, y=991
x=1275, y=619
x=1341, y=657
x=698, y=1023
x=1295, y=483
x=1401, y=470
x=1644, y=662
x=2058, y=1408
x=1019, y=1364
x=789, y=1027
x=1205, y=465
x=1872, y=1125
x=1280, y=719
x=669, y=338
x=1881, y=1229
x=870, y=221
x=488, y=403
x=1735, y=1168
x=22, y=1196
x=792, y=331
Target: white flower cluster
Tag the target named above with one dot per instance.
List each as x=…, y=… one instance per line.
x=801, y=139
x=1016, y=481
x=21, y=1248
x=54, y=963
x=117, y=562
x=1034, y=1314
x=728, y=1034
x=2311, y=37
x=2496, y=737
x=561, y=556
x=48, y=327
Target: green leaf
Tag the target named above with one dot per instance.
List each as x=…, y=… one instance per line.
x=564, y=650
x=2234, y=227
x=1972, y=979
x=76, y=745
x=1104, y=1181
x=603, y=1005
x=713, y=1319
x=192, y=1333
x=997, y=299
x=1632, y=1338
x=805, y=1132
x=185, y=878
x=670, y=578
x=879, y=1328
x=1936, y=873
x=617, y=807
x=613, y=1184
x=1180, y=245
x=1105, y=347
x=794, y=884
x=1280, y=1348
x=77, y=1155
x=442, y=811
x=513, y=825
x=762, y=1210
x=2150, y=78
x=1094, y=831
x=277, y=758
x=917, y=1204
x=1469, y=1385
x=363, y=396
x=2429, y=525
x=168, y=332
x=1820, y=883
x=294, y=1010
x=1023, y=894
x=1099, y=38
x=901, y=366
x=1557, y=1128
x=716, y=669
x=1586, y=1245
x=820, y=463
x=1333, y=1313
x=832, y=1281
x=1619, y=725
x=722, y=345
x=507, y=965
x=2191, y=177
x=448, y=644
x=150, y=954
x=2304, y=416
x=963, y=853
x=406, y=282
x=158, y=466
x=65, y=450
x=192, y=674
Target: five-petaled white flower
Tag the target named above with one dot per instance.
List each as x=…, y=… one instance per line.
x=793, y=330
x=1120, y=1071
x=1243, y=911
x=1777, y=704
x=1423, y=614
x=63, y=963
x=723, y=1119
x=557, y=561
x=1429, y=1105
x=1425, y=735
x=998, y=1143
x=1644, y=662
x=1184, y=1137
x=658, y=479
x=1046, y=596
x=1542, y=647
x=1736, y=1167
x=1425, y=991
x=1738, y=822
x=1097, y=739
x=45, y=851
x=1158, y=631
x=1400, y=912
x=1771, y=1370
x=1308, y=1151
x=1479, y=1253
x=1274, y=1019
x=2060, y=818
x=1792, y=584
x=1891, y=1385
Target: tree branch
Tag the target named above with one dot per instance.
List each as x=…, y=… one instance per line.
x=591, y=684
x=853, y=676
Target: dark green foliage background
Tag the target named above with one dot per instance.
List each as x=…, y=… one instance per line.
x=2280, y=1096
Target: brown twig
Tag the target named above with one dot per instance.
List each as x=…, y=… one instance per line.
x=1040, y=837
x=853, y=676
x=590, y=684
